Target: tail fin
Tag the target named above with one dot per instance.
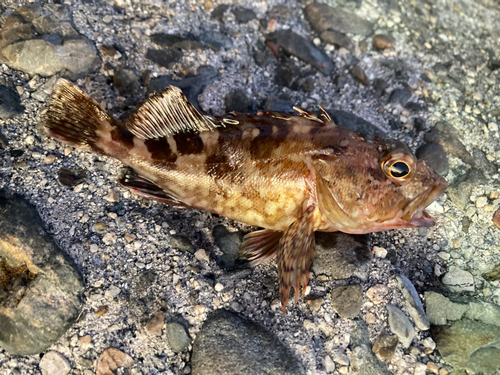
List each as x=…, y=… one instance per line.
x=76, y=119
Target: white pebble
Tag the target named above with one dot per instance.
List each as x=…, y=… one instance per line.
x=54, y=363
x=218, y=287
x=380, y=252
x=201, y=255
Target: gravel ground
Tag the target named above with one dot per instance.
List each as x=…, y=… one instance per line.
x=131, y=266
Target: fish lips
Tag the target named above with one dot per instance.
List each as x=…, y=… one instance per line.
x=416, y=208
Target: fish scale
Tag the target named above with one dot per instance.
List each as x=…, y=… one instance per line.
x=289, y=174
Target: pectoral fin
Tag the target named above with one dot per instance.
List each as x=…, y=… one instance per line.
x=295, y=255
x=260, y=246
x=146, y=188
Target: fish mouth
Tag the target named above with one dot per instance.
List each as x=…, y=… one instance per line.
x=414, y=211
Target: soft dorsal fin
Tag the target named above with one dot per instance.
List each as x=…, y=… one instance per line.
x=166, y=113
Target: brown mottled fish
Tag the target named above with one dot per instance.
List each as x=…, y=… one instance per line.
x=289, y=174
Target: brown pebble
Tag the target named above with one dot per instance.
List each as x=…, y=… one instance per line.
x=314, y=304
x=432, y=367
x=385, y=346
x=107, y=50
x=496, y=218
x=363, y=46
x=377, y=293
x=359, y=74
x=208, y=5
x=443, y=371
x=101, y=311
x=111, y=359
x=370, y=318
x=382, y=42
x=112, y=196
x=155, y=325
x=84, y=340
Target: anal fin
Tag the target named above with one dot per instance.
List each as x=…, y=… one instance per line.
x=295, y=256
x=260, y=246
x=143, y=187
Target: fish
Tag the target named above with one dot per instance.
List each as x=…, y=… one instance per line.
x=289, y=174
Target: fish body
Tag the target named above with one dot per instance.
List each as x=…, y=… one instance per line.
x=289, y=174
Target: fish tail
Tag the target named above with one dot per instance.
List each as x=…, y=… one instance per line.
x=74, y=118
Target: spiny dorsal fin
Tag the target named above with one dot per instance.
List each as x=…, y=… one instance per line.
x=166, y=113
x=308, y=115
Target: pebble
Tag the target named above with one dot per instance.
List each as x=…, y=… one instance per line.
x=435, y=157
x=71, y=177
x=315, y=303
x=379, y=252
x=303, y=49
x=329, y=365
x=155, y=324
x=181, y=243
x=126, y=80
x=377, y=293
x=164, y=57
x=359, y=74
x=334, y=255
x=111, y=359
x=112, y=196
x=218, y=287
x=230, y=344
x=100, y=228
x=385, y=346
x=413, y=303
x=458, y=280
x=323, y=17
x=109, y=238
x=381, y=42
x=54, y=363
x=347, y=300
x=447, y=136
x=243, y=15
x=201, y=255
x=496, y=218
x=338, y=39
x=177, y=337
x=400, y=325
x=10, y=103
x=340, y=357
x=400, y=96
x=420, y=369
x=429, y=345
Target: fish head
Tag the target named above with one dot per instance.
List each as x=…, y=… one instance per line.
x=367, y=184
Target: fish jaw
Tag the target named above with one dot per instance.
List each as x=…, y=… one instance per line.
x=418, y=217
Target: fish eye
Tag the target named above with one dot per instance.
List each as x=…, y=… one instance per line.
x=398, y=168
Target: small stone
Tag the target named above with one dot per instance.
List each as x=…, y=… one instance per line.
x=315, y=303
x=413, y=303
x=448, y=137
x=107, y=18
x=112, y=292
x=435, y=157
x=379, y=252
x=458, y=280
x=112, y=196
x=432, y=367
x=347, y=300
x=111, y=359
x=10, y=103
x=420, y=369
x=54, y=363
x=218, y=287
x=377, y=293
x=400, y=96
x=329, y=365
x=359, y=74
x=400, y=325
x=385, y=346
x=49, y=159
x=208, y=5
x=154, y=326
x=496, y=218
x=429, y=345
x=443, y=371
x=382, y=42
x=70, y=177
x=109, y=238
x=126, y=80
x=177, y=337
x=370, y=318
x=481, y=202
x=340, y=357
x=202, y=255
x=165, y=57
x=441, y=310
x=100, y=228
x=338, y=39
x=243, y=15
x=101, y=311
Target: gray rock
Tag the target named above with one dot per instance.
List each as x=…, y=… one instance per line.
x=185, y=43
x=323, y=17
x=488, y=313
x=229, y=344
x=10, y=103
x=303, y=49
x=447, y=136
x=458, y=280
x=71, y=177
x=337, y=38
x=54, y=363
x=177, y=337
x=400, y=96
x=482, y=163
x=229, y=243
x=216, y=39
x=385, y=345
x=400, y=325
x=41, y=289
x=359, y=75
x=282, y=12
x=440, y=309
x=352, y=122
x=164, y=57
x=182, y=243
x=126, y=81
x=342, y=255
x=218, y=13
x=461, y=189
x=469, y=345
x=243, y=15
x=413, y=303
x=362, y=359
x=435, y=157
x=236, y=100
x=347, y=300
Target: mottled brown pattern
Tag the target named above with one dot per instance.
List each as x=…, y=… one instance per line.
x=160, y=150
x=188, y=143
